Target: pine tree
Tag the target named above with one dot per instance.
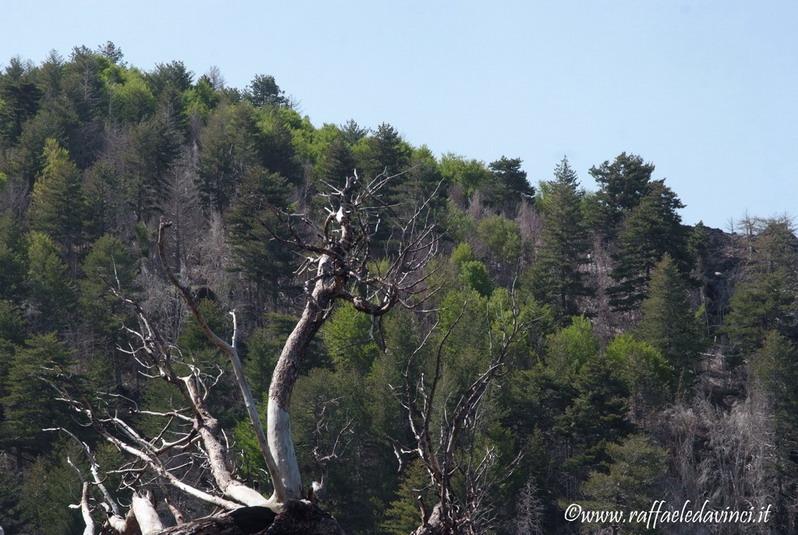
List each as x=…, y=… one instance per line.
x=227, y=153
x=596, y=417
x=557, y=275
x=668, y=323
x=19, y=96
x=510, y=185
x=775, y=369
x=632, y=481
x=12, y=259
x=623, y=183
x=403, y=514
x=767, y=296
x=650, y=230
x=264, y=91
x=27, y=410
x=338, y=162
x=153, y=148
x=252, y=223
x=50, y=289
x=57, y=203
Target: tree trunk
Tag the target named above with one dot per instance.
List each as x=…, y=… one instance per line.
x=278, y=427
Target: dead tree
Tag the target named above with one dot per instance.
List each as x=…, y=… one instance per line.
x=461, y=476
x=191, y=452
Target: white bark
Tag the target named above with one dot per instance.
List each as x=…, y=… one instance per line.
x=146, y=515
x=284, y=378
x=85, y=511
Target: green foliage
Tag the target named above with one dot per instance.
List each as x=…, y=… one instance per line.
x=767, y=296
x=45, y=496
x=470, y=175
x=568, y=349
x=153, y=148
x=349, y=339
x=650, y=230
x=28, y=404
x=461, y=254
x=252, y=223
x=596, y=417
x=57, y=201
x=264, y=91
x=228, y=154
x=109, y=264
x=201, y=99
x=473, y=274
x=50, y=289
x=668, y=323
x=12, y=324
x=402, y=514
x=502, y=238
x=623, y=183
x=12, y=259
x=511, y=181
x=631, y=482
x=263, y=349
x=19, y=99
x=131, y=99
x=646, y=373
x=556, y=275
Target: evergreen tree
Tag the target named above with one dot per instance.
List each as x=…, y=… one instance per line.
x=650, y=230
x=19, y=100
x=12, y=259
x=766, y=297
x=338, y=162
x=623, y=183
x=668, y=323
x=557, y=275
x=635, y=475
x=403, y=513
x=169, y=75
x=264, y=91
x=26, y=408
x=252, y=224
x=227, y=153
x=153, y=148
x=57, y=202
x=51, y=291
x=775, y=369
x=509, y=185
x=389, y=153
x=596, y=417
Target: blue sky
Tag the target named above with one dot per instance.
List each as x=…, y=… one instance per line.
x=704, y=89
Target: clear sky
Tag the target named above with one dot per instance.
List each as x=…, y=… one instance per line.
x=705, y=89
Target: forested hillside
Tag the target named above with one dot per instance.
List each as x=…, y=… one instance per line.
x=528, y=345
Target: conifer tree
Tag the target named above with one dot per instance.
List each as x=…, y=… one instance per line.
x=510, y=185
x=57, y=202
x=557, y=275
x=402, y=514
x=49, y=287
x=26, y=409
x=774, y=368
x=623, y=183
x=650, y=230
x=338, y=162
x=668, y=323
x=228, y=151
x=767, y=296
